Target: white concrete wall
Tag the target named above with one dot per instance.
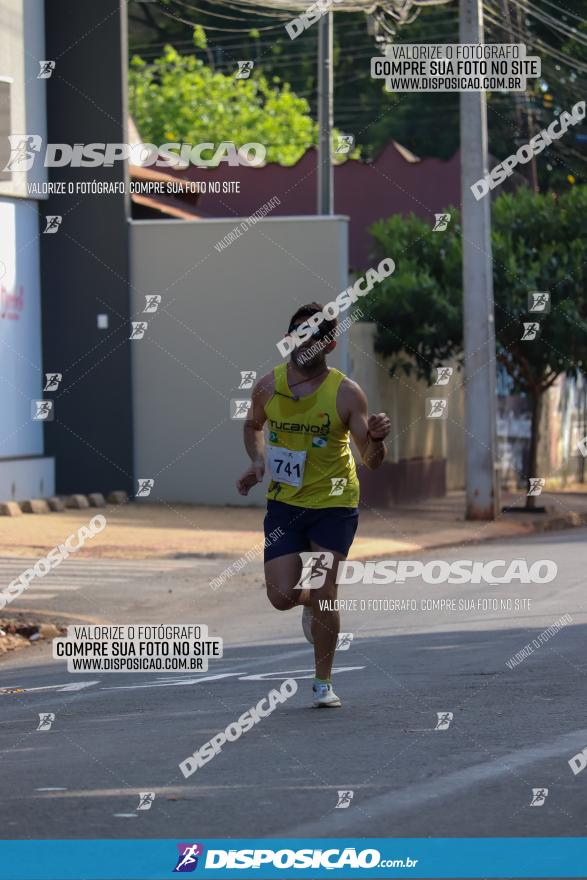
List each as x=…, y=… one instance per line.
x=24, y=478
x=221, y=313
x=20, y=330
x=22, y=46
x=24, y=473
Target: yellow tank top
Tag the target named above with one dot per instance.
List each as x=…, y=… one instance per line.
x=312, y=424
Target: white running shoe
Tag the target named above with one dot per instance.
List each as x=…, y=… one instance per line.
x=307, y=618
x=324, y=696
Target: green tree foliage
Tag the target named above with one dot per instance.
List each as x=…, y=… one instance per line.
x=180, y=98
x=538, y=245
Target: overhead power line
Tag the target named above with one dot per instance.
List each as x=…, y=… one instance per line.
x=551, y=22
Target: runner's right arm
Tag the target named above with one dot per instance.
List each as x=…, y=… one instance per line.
x=253, y=435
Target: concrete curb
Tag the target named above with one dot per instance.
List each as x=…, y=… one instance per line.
x=58, y=503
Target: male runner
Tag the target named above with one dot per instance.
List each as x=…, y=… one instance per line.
x=312, y=410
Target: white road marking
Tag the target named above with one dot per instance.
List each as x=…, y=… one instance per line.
x=77, y=685
x=61, y=688
x=76, y=574
x=173, y=683
x=264, y=676
x=308, y=673
x=57, y=588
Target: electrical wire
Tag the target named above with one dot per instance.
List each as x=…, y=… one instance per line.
x=367, y=6
x=550, y=22
x=563, y=9
x=277, y=15
x=245, y=9
x=427, y=20
x=209, y=27
x=536, y=43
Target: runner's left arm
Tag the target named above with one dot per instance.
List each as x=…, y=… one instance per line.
x=367, y=431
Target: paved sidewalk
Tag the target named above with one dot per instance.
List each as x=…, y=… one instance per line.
x=139, y=531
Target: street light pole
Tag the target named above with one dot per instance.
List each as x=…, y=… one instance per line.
x=482, y=488
x=325, y=89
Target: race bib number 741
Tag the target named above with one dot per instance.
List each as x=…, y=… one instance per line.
x=286, y=465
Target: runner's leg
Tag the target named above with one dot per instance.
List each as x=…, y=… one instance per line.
x=325, y=624
x=285, y=539
x=281, y=576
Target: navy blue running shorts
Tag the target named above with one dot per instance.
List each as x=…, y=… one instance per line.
x=332, y=528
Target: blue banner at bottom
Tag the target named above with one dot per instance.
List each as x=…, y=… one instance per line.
x=225, y=858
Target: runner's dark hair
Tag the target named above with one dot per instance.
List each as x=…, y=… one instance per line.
x=306, y=311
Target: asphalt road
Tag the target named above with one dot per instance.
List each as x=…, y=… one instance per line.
x=512, y=730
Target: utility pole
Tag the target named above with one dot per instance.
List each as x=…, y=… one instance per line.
x=527, y=130
x=482, y=488
x=325, y=89
x=522, y=105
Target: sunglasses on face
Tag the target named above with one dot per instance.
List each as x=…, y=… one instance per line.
x=316, y=332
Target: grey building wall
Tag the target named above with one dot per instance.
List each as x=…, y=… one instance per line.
x=85, y=264
x=220, y=313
